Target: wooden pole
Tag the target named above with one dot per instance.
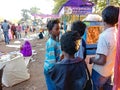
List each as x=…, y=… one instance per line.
x=79, y=17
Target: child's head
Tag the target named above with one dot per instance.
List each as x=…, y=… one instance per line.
x=110, y=15
x=53, y=27
x=79, y=27
x=70, y=42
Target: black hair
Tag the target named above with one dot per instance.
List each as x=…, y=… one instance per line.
x=110, y=15
x=68, y=42
x=61, y=27
x=79, y=27
x=5, y=20
x=51, y=24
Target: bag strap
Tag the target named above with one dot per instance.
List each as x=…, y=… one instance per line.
x=87, y=70
x=88, y=76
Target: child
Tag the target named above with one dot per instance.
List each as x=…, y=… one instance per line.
x=13, y=31
x=80, y=28
x=70, y=73
x=26, y=31
x=103, y=62
x=41, y=34
x=26, y=49
x=19, y=29
x=52, y=51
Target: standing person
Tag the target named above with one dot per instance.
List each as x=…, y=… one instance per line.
x=34, y=29
x=23, y=27
x=5, y=26
x=13, y=30
x=10, y=34
x=69, y=26
x=80, y=28
x=70, y=73
x=61, y=29
x=52, y=51
x=26, y=31
x=103, y=62
x=19, y=29
x=1, y=32
x=65, y=25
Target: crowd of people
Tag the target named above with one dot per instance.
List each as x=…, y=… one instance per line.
x=64, y=65
x=12, y=31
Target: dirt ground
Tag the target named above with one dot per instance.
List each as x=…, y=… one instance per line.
x=36, y=81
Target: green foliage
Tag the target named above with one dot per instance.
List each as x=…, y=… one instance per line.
x=25, y=14
x=58, y=4
x=99, y=4
x=34, y=10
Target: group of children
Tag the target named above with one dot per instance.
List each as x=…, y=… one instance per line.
x=70, y=71
x=64, y=65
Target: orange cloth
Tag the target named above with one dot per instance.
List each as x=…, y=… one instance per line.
x=41, y=30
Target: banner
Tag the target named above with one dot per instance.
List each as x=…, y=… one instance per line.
x=78, y=10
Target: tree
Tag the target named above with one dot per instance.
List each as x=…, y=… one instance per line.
x=34, y=10
x=101, y=4
x=58, y=4
x=25, y=14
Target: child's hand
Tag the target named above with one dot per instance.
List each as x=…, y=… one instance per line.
x=21, y=47
x=91, y=60
x=61, y=57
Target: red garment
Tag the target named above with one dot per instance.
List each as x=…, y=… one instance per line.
x=117, y=61
x=13, y=28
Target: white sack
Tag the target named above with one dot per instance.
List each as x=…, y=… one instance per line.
x=15, y=72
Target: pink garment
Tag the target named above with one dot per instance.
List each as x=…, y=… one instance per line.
x=19, y=28
x=117, y=61
x=10, y=34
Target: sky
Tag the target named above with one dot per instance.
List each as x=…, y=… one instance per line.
x=11, y=9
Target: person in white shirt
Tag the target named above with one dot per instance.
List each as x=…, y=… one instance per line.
x=1, y=34
x=103, y=62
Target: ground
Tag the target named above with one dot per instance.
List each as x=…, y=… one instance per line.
x=36, y=81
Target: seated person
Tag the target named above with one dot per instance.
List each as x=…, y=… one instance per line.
x=41, y=34
x=26, y=49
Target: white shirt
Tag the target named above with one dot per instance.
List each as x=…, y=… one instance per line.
x=107, y=46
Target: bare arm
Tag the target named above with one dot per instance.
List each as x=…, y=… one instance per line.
x=99, y=59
